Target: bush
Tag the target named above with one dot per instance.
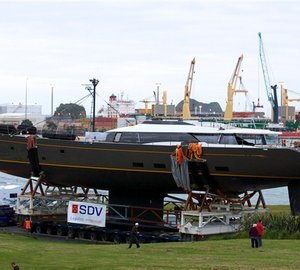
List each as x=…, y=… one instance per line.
x=277, y=226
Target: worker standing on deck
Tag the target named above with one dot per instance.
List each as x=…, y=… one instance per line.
x=33, y=153
x=134, y=236
x=179, y=154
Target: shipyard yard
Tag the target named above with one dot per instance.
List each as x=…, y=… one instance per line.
x=220, y=168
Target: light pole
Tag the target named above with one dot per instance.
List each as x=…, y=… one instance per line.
x=26, y=98
x=52, y=86
x=94, y=82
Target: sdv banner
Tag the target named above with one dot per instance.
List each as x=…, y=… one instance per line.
x=87, y=213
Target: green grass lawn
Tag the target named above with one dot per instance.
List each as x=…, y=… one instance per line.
x=31, y=253
x=274, y=209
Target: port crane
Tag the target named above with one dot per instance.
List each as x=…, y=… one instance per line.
x=231, y=90
x=285, y=101
x=186, y=113
x=146, y=101
x=271, y=89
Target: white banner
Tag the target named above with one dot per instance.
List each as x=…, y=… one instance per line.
x=87, y=213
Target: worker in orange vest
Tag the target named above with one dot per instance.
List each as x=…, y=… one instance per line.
x=28, y=225
x=179, y=154
x=33, y=153
x=195, y=151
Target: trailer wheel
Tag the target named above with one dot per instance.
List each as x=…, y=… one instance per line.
x=49, y=230
x=103, y=237
x=142, y=240
x=93, y=236
x=117, y=239
x=60, y=232
x=81, y=234
x=38, y=229
x=71, y=233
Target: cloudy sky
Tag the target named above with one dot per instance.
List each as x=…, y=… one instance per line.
x=132, y=45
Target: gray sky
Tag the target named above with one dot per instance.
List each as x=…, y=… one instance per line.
x=131, y=45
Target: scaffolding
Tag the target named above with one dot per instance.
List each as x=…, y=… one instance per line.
x=214, y=214
x=39, y=198
x=41, y=201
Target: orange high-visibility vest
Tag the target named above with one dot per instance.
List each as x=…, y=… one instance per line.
x=195, y=151
x=27, y=225
x=179, y=154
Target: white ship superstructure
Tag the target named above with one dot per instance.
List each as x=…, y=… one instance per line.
x=117, y=107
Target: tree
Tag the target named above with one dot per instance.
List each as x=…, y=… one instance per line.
x=51, y=125
x=27, y=123
x=27, y=126
x=71, y=110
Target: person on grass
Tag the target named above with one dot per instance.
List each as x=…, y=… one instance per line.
x=134, y=236
x=253, y=234
x=260, y=232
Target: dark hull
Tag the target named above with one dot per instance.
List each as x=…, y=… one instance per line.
x=141, y=174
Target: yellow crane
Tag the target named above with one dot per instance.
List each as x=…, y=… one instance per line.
x=186, y=114
x=164, y=100
x=231, y=90
x=157, y=102
x=285, y=101
x=146, y=102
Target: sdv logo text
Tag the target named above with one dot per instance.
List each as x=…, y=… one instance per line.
x=90, y=210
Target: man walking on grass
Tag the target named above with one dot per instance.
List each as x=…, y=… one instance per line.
x=134, y=236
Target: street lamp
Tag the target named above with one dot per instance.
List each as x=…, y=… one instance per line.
x=94, y=83
x=26, y=98
x=52, y=86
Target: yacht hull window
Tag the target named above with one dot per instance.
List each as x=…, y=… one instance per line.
x=208, y=138
x=228, y=139
x=213, y=138
x=144, y=137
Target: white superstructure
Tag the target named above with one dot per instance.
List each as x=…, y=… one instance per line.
x=117, y=107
